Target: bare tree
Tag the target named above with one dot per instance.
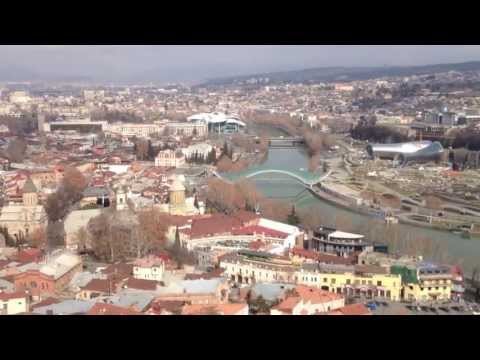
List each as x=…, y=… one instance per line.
x=16, y=150
x=82, y=238
x=38, y=238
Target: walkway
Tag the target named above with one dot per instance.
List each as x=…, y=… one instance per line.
x=307, y=178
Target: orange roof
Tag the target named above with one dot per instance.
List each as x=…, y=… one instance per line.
x=220, y=309
x=15, y=295
x=316, y=296
x=288, y=304
x=109, y=309
x=354, y=309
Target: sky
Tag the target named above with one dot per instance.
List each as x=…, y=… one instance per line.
x=199, y=62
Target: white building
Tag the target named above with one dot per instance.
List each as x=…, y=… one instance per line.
x=309, y=301
x=170, y=158
x=13, y=303
x=187, y=129
x=149, y=268
x=139, y=130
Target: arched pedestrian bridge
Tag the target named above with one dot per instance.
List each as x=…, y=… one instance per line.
x=305, y=177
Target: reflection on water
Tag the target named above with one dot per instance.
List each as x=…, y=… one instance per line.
x=464, y=251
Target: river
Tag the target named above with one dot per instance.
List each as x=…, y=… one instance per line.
x=464, y=252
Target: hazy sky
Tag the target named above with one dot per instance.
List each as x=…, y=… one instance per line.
x=196, y=62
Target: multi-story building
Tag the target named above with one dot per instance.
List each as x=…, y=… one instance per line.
x=370, y=282
x=246, y=267
x=425, y=282
x=149, y=268
x=139, y=130
x=170, y=158
x=363, y=281
x=341, y=243
x=187, y=129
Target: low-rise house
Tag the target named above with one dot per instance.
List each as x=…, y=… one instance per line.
x=212, y=291
x=305, y=300
x=352, y=310
x=166, y=307
x=140, y=302
x=109, y=309
x=140, y=284
x=96, y=288
x=14, y=303
x=67, y=307
x=149, y=268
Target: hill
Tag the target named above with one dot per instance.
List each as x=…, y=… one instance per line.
x=332, y=74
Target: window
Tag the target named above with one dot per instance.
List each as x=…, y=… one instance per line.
x=444, y=288
x=429, y=288
x=364, y=282
x=348, y=281
x=325, y=279
x=369, y=282
x=333, y=281
x=379, y=283
x=33, y=284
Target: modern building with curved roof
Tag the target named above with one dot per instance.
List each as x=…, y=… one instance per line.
x=408, y=151
x=219, y=122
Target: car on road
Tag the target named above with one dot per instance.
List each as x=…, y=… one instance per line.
x=444, y=309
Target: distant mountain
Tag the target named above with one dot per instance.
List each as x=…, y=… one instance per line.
x=330, y=74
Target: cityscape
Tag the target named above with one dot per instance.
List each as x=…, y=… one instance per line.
x=294, y=189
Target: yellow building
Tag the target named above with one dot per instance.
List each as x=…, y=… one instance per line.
x=427, y=283
x=249, y=267
x=353, y=282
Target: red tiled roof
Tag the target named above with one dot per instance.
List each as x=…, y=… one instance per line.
x=215, y=225
x=220, y=309
x=99, y=285
x=171, y=306
x=28, y=255
x=119, y=269
x=322, y=257
x=15, y=295
x=109, y=309
x=288, y=304
x=354, y=309
x=46, y=302
x=141, y=284
x=255, y=229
